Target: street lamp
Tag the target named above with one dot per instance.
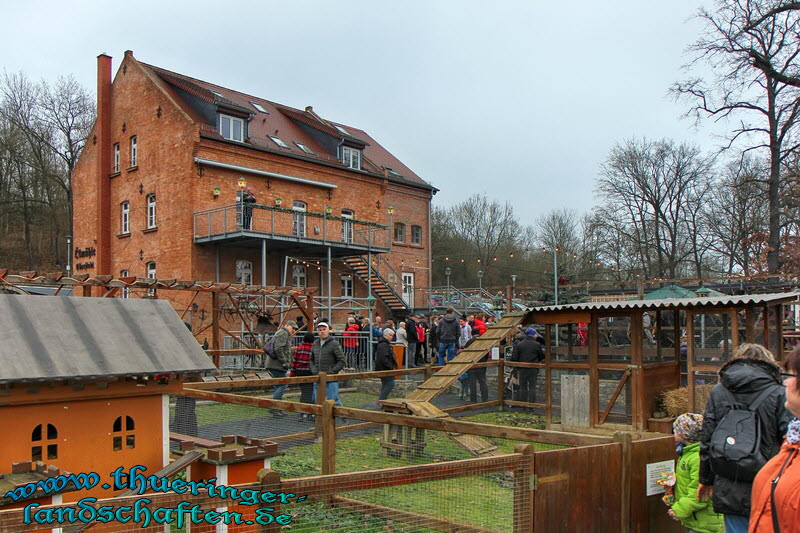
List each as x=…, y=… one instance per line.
x=513, y=288
x=370, y=306
x=480, y=287
x=447, y=272
x=242, y=183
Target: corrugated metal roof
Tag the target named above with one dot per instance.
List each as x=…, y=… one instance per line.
x=55, y=338
x=675, y=303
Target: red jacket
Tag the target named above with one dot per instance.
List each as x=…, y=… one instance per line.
x=351, y=339
x=787, y=492
x=480, y=325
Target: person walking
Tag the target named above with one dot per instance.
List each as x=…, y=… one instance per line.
x=774, y=508
x=751, y=375
x=448, y=333
x=327, y=356
x=384, y=360
x=278, y=365
x=301, y=366
x=528, y=350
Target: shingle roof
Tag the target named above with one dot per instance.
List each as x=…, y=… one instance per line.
x=675, y=303
x=46, y=338
x=283, y=122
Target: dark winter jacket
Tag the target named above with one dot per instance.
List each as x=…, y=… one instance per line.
x=327, y=357
x=283, y=351
x=527, y=351
x=745, y=378
x=449, y=329
x=384, y=356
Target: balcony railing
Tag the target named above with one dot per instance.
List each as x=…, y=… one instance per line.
x=289, y=224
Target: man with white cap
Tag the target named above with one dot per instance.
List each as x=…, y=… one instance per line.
x=327, y=356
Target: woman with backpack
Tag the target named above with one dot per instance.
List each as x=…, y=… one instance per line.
x=750, y=397
x=775, y=489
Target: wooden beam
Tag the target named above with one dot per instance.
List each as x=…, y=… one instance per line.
x=614, y=396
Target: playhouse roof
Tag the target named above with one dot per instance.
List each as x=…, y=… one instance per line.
x=45, y=338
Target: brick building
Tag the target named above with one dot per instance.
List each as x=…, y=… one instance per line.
x=158, y=193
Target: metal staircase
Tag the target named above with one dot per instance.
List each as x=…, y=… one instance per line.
x=388, y=292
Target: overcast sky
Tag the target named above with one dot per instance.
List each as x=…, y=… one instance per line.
x=521, y=100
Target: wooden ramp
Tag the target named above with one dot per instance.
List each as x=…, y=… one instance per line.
x=418, y=401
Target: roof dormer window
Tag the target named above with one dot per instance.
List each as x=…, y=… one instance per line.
x=279, y=142
x=259, y=108
x=231, y=128
x=351, y=157
x=341, y=129
x=304, y=148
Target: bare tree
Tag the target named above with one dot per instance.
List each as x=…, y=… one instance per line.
x=752, y=47
x=652, y=191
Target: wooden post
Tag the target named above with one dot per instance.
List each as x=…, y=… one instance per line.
x=690, y=356
x=734, y=331
x=328, y=438
x=523, y=490
x=750, y=325
x=594, y=373
x=639, y=414
x=501, y=372
x=270, y=481
x=215, y=326
x=626, y=445
x=548, y=378
x=779, y=332
x=765, y=325
x=321, y=392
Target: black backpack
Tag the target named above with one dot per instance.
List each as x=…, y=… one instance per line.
x=735, y=448
x=269, y=348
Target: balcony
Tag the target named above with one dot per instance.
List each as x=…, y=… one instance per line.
x=298, y=232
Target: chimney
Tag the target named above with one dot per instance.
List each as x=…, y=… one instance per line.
x=103, y=159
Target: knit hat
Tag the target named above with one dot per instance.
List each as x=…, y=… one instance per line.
x=530, y=332
x=388, y=331
x=689, y=426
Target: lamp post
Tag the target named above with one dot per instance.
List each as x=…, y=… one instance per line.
x=480, y=287
x=513, y=286
x=390, y=210
x=370, y=306
x=447, y=272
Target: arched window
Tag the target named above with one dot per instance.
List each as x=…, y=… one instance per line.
x=44, y=442
x=124, y=434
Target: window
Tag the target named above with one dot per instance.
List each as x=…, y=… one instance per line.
x=125, y=218
x=126, y=292
x=44, y=446
x=151, y=210
x=151, y=273
x=416, y=234
x=244, y=272
x=259, y=108
x=279, y=142
x=116, y=157
x=341, y=129
x=399, y=232
x=231, y=128
x=123, y=435
x=299, y=219
x=351, y=157
x=347, y=225
x=134, y=152
x=299, y=276
x=347, y=286
x=304, y=148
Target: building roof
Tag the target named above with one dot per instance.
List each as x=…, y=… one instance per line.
x=290, y=125
x=54, y=338
x=675, y=303
x=674, y=291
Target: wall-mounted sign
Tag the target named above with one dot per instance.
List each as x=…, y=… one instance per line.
x=84, y=266
x=81, y=253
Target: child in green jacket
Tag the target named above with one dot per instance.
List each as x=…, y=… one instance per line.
x=694, y=515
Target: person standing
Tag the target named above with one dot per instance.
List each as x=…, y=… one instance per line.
x=384, y=360
x=744, y=379
x=477, y=376
x=776, y=485
x=402, y=340
x=350, y=341
x=528, y=350
x=278, y=365
x=411, y=338
x=466, y=332
x=327, y=356
x=448, y=333
x=301, y=366
x=480, y=323
x=248, y=200
x=433, y=336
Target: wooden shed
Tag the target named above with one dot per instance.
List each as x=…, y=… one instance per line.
x=607, y=363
